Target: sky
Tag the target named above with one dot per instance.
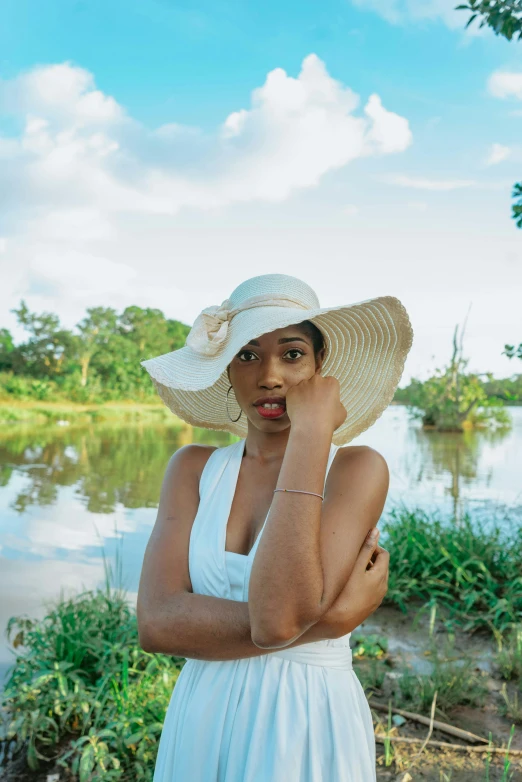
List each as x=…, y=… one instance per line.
x=157, y=154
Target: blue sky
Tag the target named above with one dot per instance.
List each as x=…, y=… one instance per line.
x=138, y=164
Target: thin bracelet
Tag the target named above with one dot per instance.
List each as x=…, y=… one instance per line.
x=300, y=491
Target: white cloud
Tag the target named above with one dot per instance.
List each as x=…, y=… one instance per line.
x=422, y=183
x=401, y=12
x=504, y=84
x=82, y=175
x=80, y=151
x=497, y=154
x=351, y=210
x=418, y=206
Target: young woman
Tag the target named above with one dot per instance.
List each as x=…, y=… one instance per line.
x=259, y=565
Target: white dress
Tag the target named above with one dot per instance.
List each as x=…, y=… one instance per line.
x=291, y=715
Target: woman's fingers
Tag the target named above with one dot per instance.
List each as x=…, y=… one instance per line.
x=367, y=549
x=381, y=562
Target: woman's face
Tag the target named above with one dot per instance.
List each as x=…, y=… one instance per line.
x=266, y=367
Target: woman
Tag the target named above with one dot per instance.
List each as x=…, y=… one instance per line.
x=259, y=567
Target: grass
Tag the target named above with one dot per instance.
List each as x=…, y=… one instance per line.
x=83, y=693
x=472, y=573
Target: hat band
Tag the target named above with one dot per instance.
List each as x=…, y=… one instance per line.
x=210, y=328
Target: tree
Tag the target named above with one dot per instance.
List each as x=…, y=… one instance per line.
x=95, y=330
x=48, y=348
x=504, y=17
x=453, y=398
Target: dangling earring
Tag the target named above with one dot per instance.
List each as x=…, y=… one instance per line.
x=228, y=414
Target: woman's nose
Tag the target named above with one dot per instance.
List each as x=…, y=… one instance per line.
x=269, y=374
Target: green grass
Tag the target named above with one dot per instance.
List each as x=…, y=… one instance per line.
x=82, y=683
x=473, y=574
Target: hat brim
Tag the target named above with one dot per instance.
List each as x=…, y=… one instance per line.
x=366, y=348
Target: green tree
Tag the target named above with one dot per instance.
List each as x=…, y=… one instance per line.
x=504, y=17
x=95, y=330
x=49, y=348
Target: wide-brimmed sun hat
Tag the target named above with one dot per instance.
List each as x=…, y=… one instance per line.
x=366, y=347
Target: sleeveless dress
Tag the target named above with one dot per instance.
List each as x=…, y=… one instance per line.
x=291, y=715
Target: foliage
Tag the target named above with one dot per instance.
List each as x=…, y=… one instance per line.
x=509, y=657
x=510, y=351
x=452, y=398
x=472, y=571
x=504, y=17
x=83, y=676
x=517, y=206
x=99, y=362
x=455, y=682
x=371, y=646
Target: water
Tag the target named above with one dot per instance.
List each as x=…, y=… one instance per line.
x=67, y=492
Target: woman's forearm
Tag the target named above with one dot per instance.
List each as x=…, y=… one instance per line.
x=204, y=627
x=286, y=582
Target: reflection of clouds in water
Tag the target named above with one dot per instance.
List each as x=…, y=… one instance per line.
x=67, y=525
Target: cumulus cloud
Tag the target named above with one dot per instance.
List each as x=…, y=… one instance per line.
x=79, y=150
x=505, y=84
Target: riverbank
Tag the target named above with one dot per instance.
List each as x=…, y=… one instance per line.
x=71, y=413
x=446, y=642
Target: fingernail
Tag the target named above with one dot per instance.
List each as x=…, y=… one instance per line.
x=372, y=535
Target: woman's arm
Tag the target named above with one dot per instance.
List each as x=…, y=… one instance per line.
x=203, y=627
x=308, y=548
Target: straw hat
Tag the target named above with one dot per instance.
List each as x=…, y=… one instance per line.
x=366, y=347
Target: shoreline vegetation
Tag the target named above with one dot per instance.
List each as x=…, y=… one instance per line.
x=65, y=413
x=97, y=363
x=440, y=662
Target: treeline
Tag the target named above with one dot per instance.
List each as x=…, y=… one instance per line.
x=97, y=361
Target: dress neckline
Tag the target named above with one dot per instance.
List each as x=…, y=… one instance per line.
x=237, y=467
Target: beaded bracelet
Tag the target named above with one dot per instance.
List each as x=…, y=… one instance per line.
x=300, y=491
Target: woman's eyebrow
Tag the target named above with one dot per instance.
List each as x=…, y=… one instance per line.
x=281, y=341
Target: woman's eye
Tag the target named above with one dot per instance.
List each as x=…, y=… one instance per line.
x=295, y=350
x=242, y=353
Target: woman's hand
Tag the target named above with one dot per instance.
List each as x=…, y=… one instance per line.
x=364, y=591
x=316, y=398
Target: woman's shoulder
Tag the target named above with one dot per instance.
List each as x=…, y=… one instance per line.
x=196, y=455
x=345, y=453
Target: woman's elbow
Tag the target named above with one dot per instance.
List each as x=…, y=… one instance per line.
x=275, y=637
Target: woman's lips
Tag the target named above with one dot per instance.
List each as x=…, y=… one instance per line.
x=271, y=412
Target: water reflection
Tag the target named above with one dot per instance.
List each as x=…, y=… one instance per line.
x=69, y=494
x=107, y=465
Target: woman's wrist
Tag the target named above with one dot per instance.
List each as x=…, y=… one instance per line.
x=311, y=429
